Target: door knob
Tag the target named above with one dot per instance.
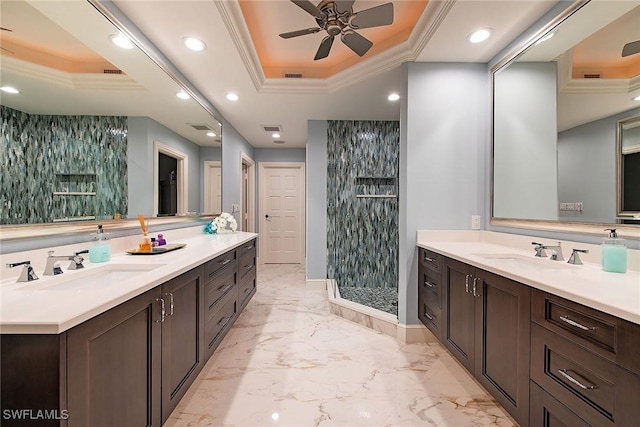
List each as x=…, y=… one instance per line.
x=266, y=216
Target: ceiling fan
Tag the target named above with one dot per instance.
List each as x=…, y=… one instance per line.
x=337, y=17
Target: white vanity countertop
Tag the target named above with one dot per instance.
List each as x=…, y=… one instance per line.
x=614, y=293
x=24, y=308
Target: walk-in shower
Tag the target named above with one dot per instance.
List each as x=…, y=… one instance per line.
x=362, y=211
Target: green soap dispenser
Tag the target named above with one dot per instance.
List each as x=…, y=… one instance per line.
x=100, y=249
x=614, y=253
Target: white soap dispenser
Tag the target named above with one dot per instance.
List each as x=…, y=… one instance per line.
x=614, y=253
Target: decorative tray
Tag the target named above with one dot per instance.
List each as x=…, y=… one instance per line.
x=156, y=250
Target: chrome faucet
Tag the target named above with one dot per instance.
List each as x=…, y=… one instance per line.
x=27, y=273
x=52, y=268
x=575, y=257
x=556, y=255
x=539, y=250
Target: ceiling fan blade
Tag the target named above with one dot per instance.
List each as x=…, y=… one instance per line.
x=6, y=29
x=300, y=32
x=356, y=42
x=373, y=17
x=310, y=8
x=325, y=47
x=344, y=5
x=631, y=48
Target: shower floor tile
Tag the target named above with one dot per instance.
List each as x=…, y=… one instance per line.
x=289, y=362
x=383, y=299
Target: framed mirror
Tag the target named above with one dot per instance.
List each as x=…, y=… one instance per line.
x=557, y=101
x=628, y=165
x=92, y=125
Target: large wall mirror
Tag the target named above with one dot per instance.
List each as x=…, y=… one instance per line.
x=557, y=102
x=96, y=131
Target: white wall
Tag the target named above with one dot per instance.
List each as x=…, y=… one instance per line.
x=442, y=148
x=525, y=142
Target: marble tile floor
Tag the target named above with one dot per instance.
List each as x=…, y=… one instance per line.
x=288, y=361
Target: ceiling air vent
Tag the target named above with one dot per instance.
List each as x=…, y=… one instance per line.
x=591, y=75
x=292, y=75
x=272, y=128
x=278, y=142
x=199, y=127
x=112, y=71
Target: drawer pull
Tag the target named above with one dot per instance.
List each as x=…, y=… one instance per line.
x=426, y=258
x=246, y=291
x=249, y=266
x=428, y=316
x=566, y=319
x=224, y=320
x=564, y=373
x=429, y=284
x=224, y=262
x=226, y=288
x=248, y=247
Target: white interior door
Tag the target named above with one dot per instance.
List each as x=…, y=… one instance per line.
x=212, y=187
x=282, y=212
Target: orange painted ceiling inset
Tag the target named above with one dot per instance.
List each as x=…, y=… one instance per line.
x=266, y=19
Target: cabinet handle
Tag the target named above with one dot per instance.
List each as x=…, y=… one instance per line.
x=162, y=310
x=246, y=291
x=564, y=373
x=249, y=266
x=428, y=316
x=224, y=262
x=466, y=282
x=224, y=286
x=170, y=303
x=429, y=284
x=224, y=320
x=475, y=289
x=248, y=247
x=566, y=319
x=426, y=258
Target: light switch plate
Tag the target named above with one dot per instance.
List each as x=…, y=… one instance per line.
x=235, y=208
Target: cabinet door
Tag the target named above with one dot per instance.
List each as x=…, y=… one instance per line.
x=114, y=366
x=182, y=336
x=503, y=311
x=459, y=312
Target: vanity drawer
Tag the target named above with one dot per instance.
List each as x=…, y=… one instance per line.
x=431, y=286
x=597, y=390
x=431, y=260
x=545, y=411
x=430, y=315
x=222, y=283
x=219, y=318
x=246, y=247
x=616, y=339
x=213, y=266
x=246, y=289
x=247, y=263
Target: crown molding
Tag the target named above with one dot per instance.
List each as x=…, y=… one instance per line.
x=568, y=84
x=430, y=20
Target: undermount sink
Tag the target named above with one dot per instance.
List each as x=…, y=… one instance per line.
x=525, y=262
x=90, y=279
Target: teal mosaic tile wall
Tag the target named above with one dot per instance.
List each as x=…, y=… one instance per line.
x=362, y=232
x=81, y=158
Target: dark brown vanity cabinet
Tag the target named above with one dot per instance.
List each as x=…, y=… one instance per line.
x=430, y=290
x=486, y=327
x=246, y=272
x=130, y=365
x=585, y=360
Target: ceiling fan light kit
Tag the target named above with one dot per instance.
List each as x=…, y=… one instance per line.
x=336, y=17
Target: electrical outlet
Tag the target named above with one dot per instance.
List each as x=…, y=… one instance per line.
x=578, y=206
x=475, y=222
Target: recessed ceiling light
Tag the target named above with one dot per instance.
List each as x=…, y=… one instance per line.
x=275, y=135
x=121, y=41
x=393, y=97
x=194, y=44
x=211, y=134
x=232, y=97
x=637, y=98
x=479, y=35
x=9, y=89
x=182, y=95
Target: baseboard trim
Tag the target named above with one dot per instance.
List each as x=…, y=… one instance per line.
x=410, y=334
x=320, y=284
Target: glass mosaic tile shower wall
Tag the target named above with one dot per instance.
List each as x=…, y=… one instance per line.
x=61, y=167
x=362, y=211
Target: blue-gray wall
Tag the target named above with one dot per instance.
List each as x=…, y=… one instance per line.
x=233, y=145
x=317, y=200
